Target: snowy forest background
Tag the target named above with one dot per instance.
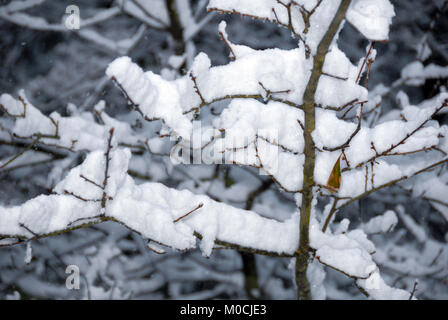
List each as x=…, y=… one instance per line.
x=64, y=71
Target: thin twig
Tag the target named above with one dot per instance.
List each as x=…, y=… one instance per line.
x=106, y=170
x=414, y=289
x=20, y=153
x=364, y=62
x=189, y=212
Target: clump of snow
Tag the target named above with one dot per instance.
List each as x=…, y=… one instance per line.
x=415, y=74
x=90, y=170
x=372, y=18
x=377, y=288
x=29, y=253
x=434, y=189
x=349, y=253
x=154, y=96
x=237, y=49
x=14, y=296
x=77, y=132
x=316, y=276
x=382, y=223
x=243, y=76
x=153, y=210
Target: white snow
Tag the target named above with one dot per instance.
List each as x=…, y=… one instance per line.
x=29, y=253
x=349, y=252
x=383, y=223
x=155, y=97
x=416, y=74
x=77, y=132
x=149, y=209
x=372, y=18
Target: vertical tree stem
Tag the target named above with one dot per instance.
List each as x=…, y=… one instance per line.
x=303, y=286
x=176, y=29
x=250, y=275
x=248, y=259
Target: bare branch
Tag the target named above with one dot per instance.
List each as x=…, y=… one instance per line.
x=189, y=212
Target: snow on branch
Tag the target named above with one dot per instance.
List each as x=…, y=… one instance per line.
x=273, y=74
x=351, y=254
x=73, y=133
x=372, y=18
x=250, y=78
x=174, y=218
x=167, y=216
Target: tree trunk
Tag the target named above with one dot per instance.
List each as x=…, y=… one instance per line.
x=248, y=259
x=250, y=275
x=176, y=29
x=303, y=253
